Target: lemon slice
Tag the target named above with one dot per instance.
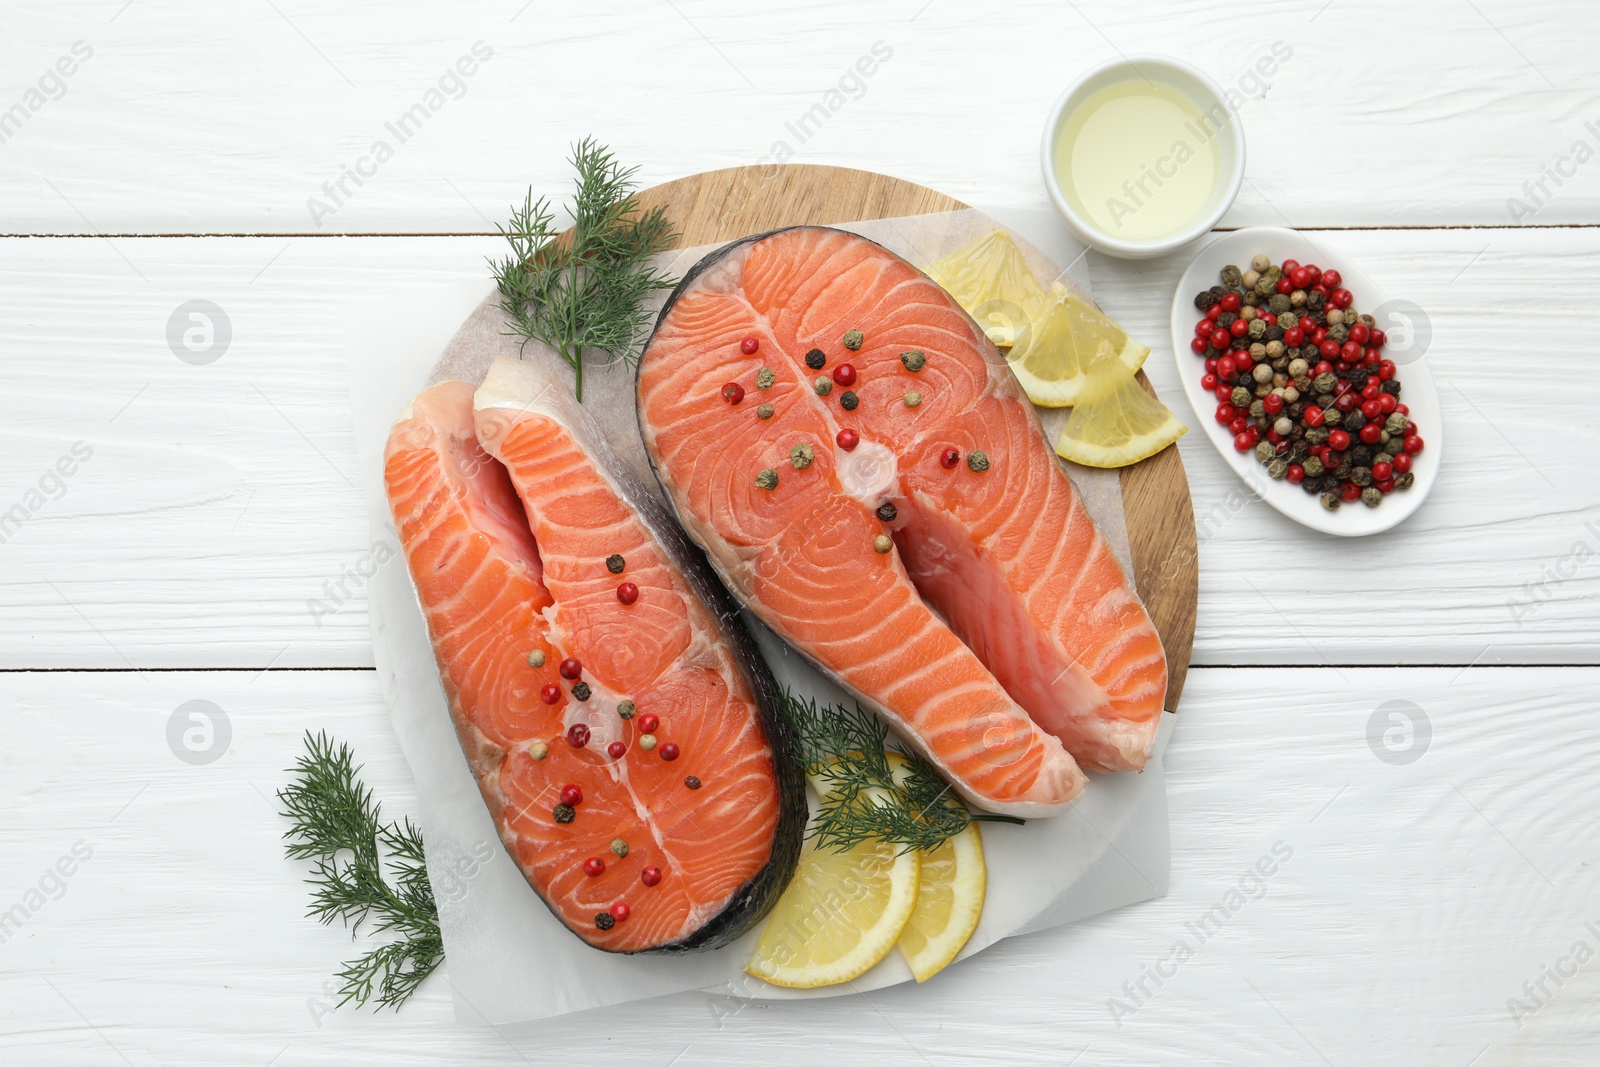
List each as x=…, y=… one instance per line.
x=992, y=282
x=1116, y=422
x=841, y=913
x=949, y=902
x=1068, y=340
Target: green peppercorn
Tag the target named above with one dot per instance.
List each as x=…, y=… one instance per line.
x=1331, y=501
x=1332, y=416
x=977, y=461
x=848, y=400
x=536, y=658
x=1405, y=481
x=627, y=709
x=1371, y=497
x=1264, y=452
x=1288, y=320
x=564, y=813
x=1231, y=277
x=1324, y=383
x=1278, y=302
x=1312, y=467
x=1278, y=468
x=764, y=411
x=800, y=456
x=767, y=479
x=1258, y=408
x=765, y=378
x=915, y=359
x=1257, y=329
x=1361, y=476
x=1241, y=397
x=887, y=512
x=1339, y=332
x=823, y=385
x=619, y=847
x=1396, y=423
x=852, y=339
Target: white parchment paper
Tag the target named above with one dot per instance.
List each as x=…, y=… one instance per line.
x=507, y=958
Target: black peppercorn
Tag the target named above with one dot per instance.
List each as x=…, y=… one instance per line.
x=1205, y=300
x=564, y=813
x=580, y=692
x=887, y=512
x=815, y=359
x=848, y=400
x=1391, y=387
x=603, y=920
x=1226, y=319
x=692, y=782
x=615, y=563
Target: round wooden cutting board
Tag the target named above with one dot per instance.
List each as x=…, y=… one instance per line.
x=722, y=205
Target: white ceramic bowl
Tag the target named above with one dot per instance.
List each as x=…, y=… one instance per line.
x=1229, y=146
x=1417, y=388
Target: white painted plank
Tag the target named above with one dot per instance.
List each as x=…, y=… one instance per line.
x=1415, y=900
x=201, y=117
x=216, y=503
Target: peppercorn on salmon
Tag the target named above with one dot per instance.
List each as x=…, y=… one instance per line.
x=621, y=725
x=995, y=631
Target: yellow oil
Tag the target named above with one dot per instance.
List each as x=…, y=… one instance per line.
x=1138, y=159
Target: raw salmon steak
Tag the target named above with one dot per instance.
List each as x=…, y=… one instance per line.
x=567, y=617
x=994, y=629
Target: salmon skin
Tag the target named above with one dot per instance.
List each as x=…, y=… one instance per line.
x=997, y=634
x=508, y=505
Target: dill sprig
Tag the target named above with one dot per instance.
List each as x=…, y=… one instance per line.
x=339, y=826
x=585, y=290
x=846, y=752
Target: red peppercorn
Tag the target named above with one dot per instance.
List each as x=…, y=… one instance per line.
x=649, y=722
x=949, y=458
x=1230, y=302
x=1360, y=334
x=749, y=345
x=1208, y=382
x=571, y=795
x=1328, y=348
x=620, y=911
x=1239, y=328
x=1370, y=408
x=1412, y=443
x=1386, y=369
x=1220, y=338
x=1294, y=337
x=1300, y=277
x=594, y=866
x=1386, y=403
x=1226, y=368
x=1331, y=278
x=1285, y=286
x=1289, y=266
x=1338, y=440
x=1296, y=474
x=1199, y=346
x=1273, y=403
x=1316, y=274
x=847, y=438
x=571, y=668
x=1345, y=402
x=577, y=735
x=1211, y=365
x=650, y=876
x=616, y=750
x=1322, y=367
x=844, y=374
x=1238, y=426
x=1386, y=486
x=1224, y=392
x=1381, y=470
x=1378, y=338
x=627, y=592
x=1274, y=436
x=1203, y=328
x=733, y=392
x=1370, y=432
x=1242, y=442
x=1402, y=409
x=1342, y=298
x=1214, y=312
x=1319, y=335
x=1350, y=351
x=1350, y=493
x=669, y=751
x=550, y=694
x=1312, y=416
x=1401, y=463
x=1225, y=413
x=1370, y=392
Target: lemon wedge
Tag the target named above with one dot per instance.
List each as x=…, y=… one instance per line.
x=992, y=282
x=950, y=895
x=1068, y=340
x=841, y=913
x=1116, y=422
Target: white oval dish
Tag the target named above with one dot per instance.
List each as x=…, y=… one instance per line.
x=1418, y=391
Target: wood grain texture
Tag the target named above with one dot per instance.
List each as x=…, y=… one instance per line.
x=727, y=204
x=217, y=504
x=1448, y=108
x=1415, y=901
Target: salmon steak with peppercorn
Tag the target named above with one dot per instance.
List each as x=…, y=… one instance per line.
x=622, y=727
x=866, y=475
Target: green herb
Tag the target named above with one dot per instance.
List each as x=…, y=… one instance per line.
x=585, y=290
x=847, y=754
x=338, y=825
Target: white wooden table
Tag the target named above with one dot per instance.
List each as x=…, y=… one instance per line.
x=1422, y=900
